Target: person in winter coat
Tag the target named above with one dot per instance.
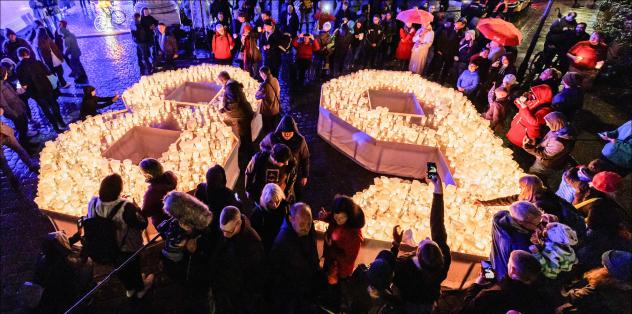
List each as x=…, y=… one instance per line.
x=374, y=43
x=14, y=108
x=390, y=36
x=63, y=274
x=287, y=133
x=405, y=45
x=357, y=44
x=326, y=44
x=575, y=184
x=237, y=265
x=343, y=13
x=422, y=43
x=7, y=138
x=608, y=289
x=418, y=276
x=371, y=287
x=342, y=238
x=498, y=102
x=288, y=20
x=269, y=213
x=12, y=44
x=91, y=102
x=618, y=150
x=274, y=166
x=306, y=46
x=469, y=80
x=484, y=64
x=532, y=107
x=587, y=58
x=189, y=241
x=518, y=291
x=533, y=190
x=606, y=231
x=447, y=47
x=52, y=56
x=33, y=76
x=499, y=69
x=143, y=40
x=215, y=194
x=167, y=47
x=73, y=54
x=249, y=54
x=342, y=48
x=571, y=98
x=270, y=43
x=129, y=225
x=222, y=45
x=238, y=114
x=465, y=52
x=268, y=95
x=295, y=276
x=160, y=183
x=511, y=230
x=552, y=153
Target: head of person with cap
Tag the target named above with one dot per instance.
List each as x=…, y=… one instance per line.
x=607, y=182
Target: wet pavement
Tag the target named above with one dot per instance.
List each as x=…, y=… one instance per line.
x=110, y=63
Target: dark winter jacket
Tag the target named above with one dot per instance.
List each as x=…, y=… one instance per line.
x=237, y=271
x=90, y=104
x=275, y=40
x=507, y=236
x=267, y=222
x=289, y=25
x=261, y=171
x=340, y=14
x=236, y=105
x=269, y=94
x=11, y=102
x=11, y=48
x=70, y=43
x=295, y=277
x=342, y=42
x=508, y=294
x=152, y=201
x=215, y=194
x=423, y=286
x=149, y=25
x=448, y=43
x=606, y=298
x=597, y=242
x=375, y=36
x=34, y=74
x=568, y=101
x=297, y=144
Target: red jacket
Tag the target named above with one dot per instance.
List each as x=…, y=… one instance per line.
x=152, y=201
x=222, y=45
x=405, y=46
x=306, y=49
x=529, y=120
x=341, y=254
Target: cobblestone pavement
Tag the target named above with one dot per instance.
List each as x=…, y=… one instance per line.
x=110, y=63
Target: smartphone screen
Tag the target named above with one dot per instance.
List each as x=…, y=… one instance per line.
x=432, y=170
x=487, y=269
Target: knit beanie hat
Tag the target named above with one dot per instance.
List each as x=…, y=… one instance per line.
x=572, y=79
x=618, y=263
x=509, y=79
x=606, y=182
x=379, y=274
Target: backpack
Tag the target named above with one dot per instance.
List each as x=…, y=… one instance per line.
x=99, y=239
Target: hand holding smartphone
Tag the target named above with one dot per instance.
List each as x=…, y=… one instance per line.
x=487, y=270
x=432, y=170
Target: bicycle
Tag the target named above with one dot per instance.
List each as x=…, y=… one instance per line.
x=108, y=16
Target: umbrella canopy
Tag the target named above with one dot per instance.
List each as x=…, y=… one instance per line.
x=415, y=16
x=500, y=31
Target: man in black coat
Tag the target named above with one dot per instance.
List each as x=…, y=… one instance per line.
x=447, y=46
x=288, y=20
x=12, y=44
x=270, y=43
x=238, y=114
x=287, y=133
x=142, y=39
x=517, y=291
x=168, y=47
x=237, y=265
x=295, y=276
x=33, y=76
x=374, y=40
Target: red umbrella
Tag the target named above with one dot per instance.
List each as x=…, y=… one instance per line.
x=500, y=31
x=415, y=16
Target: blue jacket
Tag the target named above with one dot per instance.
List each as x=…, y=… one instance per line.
x=568, y=101
x=507, y=236
x=468, y=81
x=620, y=152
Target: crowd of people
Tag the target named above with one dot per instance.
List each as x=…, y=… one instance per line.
x=562, y=244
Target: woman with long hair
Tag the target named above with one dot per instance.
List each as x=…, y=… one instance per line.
x=51, y=55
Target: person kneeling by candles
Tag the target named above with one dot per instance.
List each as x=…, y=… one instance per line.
x=91, y=102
